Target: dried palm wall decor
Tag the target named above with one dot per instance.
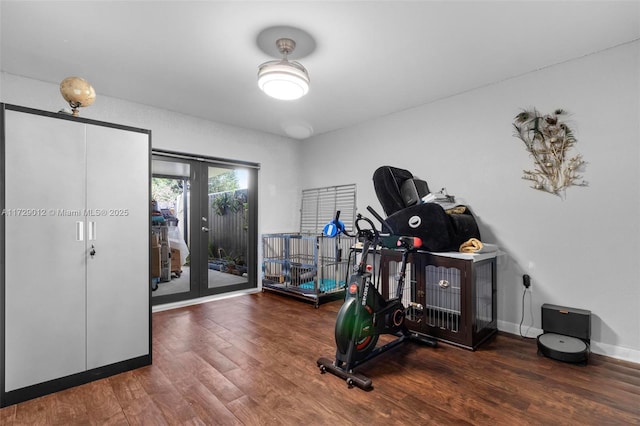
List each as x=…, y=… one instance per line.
x=548, y=139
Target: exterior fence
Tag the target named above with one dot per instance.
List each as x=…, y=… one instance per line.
x=228, y=225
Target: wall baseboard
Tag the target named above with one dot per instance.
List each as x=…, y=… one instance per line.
x=605, y=349
x=183, y=303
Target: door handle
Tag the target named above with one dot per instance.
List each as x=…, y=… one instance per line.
x=79, y=231
x=92, y=231
x=205, y=229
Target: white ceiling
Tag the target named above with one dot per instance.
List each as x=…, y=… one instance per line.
x=371, y=58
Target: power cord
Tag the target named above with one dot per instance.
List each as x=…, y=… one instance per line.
x=522, y=319
x=526, y=282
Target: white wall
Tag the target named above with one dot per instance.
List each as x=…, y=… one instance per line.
x=278, y=156
x=580, y=252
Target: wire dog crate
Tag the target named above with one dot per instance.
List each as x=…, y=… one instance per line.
x=306, y=266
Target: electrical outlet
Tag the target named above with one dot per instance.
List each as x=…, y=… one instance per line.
x=526, y=281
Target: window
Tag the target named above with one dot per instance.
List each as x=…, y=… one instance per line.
x=319, y=206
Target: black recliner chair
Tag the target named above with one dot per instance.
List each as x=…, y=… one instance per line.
x=400, y=195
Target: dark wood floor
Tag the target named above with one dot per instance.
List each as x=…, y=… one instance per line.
x=252, y=360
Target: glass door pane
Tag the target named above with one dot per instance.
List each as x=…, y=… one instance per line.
x=170, y=263
x=227, y=213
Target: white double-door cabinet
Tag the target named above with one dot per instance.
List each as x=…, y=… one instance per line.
x=76, y=247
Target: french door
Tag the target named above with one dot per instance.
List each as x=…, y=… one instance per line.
x=205, y=224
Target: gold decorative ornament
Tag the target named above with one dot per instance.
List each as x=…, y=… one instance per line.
x=548, y=140
x=78, y=92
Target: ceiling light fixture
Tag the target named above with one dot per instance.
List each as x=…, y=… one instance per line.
x=283, y=79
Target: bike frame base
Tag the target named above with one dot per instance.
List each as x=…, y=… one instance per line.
x=352, y=379
x=356, y=379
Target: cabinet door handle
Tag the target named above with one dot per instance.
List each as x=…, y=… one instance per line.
x=92, y=231
x=92, y=252
x=443, y=284
x=79, y=231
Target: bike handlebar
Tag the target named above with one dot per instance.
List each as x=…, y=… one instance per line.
x=409, y=243
x=369, y=234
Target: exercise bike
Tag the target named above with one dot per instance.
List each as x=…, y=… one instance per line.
x=366, y=313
